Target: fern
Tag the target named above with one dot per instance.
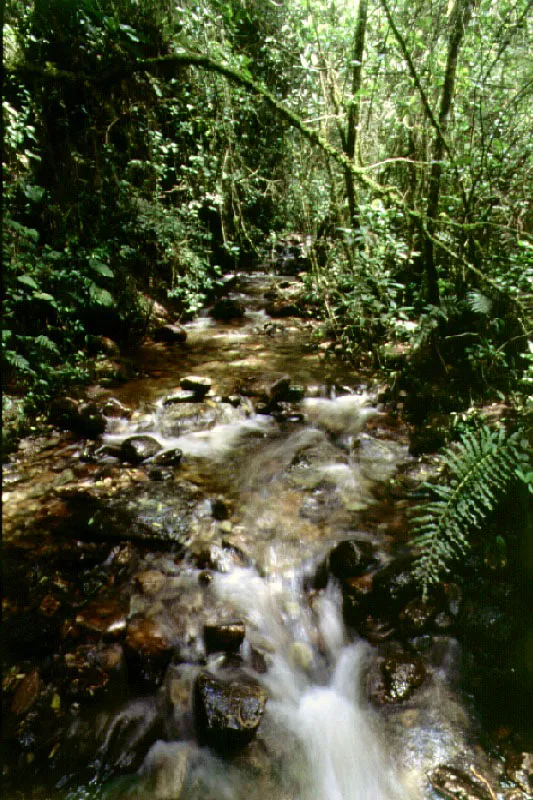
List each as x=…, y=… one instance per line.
x=479, y=467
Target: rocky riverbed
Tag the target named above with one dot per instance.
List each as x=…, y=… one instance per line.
x=207, y=585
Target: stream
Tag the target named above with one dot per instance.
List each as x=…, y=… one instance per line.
x=213, y=614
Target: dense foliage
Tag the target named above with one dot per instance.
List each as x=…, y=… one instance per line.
x=151, y=145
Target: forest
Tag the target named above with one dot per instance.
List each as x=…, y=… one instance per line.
x=380, y=148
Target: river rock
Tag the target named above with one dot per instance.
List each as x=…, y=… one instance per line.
x=150, y=582
x=138, y=448
x=63, y=413
x=355, y=595
x=282, y=309
x=394, y=586
x=148, y=649
x=416, y=616
x=224, y=637
x=227, y=308
x=90, y=422
x=169, y=458
x=350, y=558
x=83, y=673
x=453, y=784
x=200, y=386
x=165, y=770
x=170, y=334
x=27, y=693
x=401, y=674
x=278, y=391
x=114, y=409
x=184, y=396
x=519, y=769
x=105, y=618
x=228, y=712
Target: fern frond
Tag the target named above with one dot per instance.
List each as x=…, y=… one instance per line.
x=479, y=467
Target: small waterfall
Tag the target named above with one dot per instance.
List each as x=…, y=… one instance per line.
x=332, y=745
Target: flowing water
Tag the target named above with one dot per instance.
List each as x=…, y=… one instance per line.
x=293, y=486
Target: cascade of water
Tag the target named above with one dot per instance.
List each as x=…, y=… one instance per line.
x=338, y=753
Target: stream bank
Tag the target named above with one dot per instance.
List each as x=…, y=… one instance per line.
x=188, y=592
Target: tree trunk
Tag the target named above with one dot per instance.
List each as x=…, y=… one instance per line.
x=461, y=17
x=354, y=109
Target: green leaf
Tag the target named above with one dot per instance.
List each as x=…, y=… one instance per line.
x=48, y=298
x=102, y=269
x=100, y=296
x=46, y=343
x=27, y=281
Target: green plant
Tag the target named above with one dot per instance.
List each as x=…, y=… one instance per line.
x=478, y=469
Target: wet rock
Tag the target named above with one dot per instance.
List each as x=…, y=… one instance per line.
x=301, y=655
x=400, y=676
x=161, y=474
x=227, y=309
x=115, y=410
x=227, y=712
x=430, y=437
x=165, y=770
x=200, y=386
x=28, y=691
x=150, y=582
x=168, y=458
x=355, y=595
x=205, y=578
x=137, y=449
x=416, y=616
x=185, y=396
x=376, y=630
x=220, y=509
x=395, y=586
x=295, y=393
x=148, y=649
x=170, y=334
x=282, y=309
x=224, y=637
x=87, y=671
x=90, y=422
x=443, y=622
x=278, y=391
x=105, y=618
x=63, y=413
x=453, y=784
x=485, y=626
x=519, y=769
x=350, y=559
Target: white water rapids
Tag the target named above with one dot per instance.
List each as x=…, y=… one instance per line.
x=316, y=706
